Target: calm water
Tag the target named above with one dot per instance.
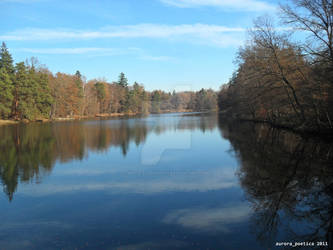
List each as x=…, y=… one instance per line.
x=171, y=181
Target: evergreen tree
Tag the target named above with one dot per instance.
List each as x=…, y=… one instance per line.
x=43, y=98
x=134, y=98
x=125, y=95
x=156, y=101
x=24, y=89
x=80, y=93
x=6, y=96
x=6, y=60
x=78, y=74
x=122, y=80
x=79, y=83
x=100, y=91
x=32, y=94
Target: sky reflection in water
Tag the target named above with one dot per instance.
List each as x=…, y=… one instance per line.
x=166, y=181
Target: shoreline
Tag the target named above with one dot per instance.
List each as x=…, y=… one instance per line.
x=75, y=118
x=8, y=122
x=322, y=133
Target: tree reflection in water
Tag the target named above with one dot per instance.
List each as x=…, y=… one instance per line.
x=29, y=152
x=288, y=180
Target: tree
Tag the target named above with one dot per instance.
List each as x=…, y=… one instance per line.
x=123, y=93
x=32, y=97
x=316, y=18
x=175, y=100
x=204, y=100
x=80, y=93
x=79, y=83
x=6, y=60
x=65, y=90
x=284, y=60
x=42, y=96
x=6, y=96
x=136, y=98
x=22, y=92
x=6, y=84
x=100, y=90
x=156, y=102
x=122, y=80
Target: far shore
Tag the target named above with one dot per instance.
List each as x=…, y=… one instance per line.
x=58, y=119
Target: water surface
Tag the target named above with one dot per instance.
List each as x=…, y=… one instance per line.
x=170, y=181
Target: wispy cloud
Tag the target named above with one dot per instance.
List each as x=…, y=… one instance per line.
x=70, y=51
x=91, y=51
x=240, y=5
x=21, y=1
x=198, y=33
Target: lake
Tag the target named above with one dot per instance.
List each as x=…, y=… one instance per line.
x=168, y=181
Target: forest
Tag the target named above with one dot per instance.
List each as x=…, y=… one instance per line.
x=284, y=75
x=30, y=92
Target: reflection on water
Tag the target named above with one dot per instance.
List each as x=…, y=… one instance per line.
x=27, y=152
x=288, y=180
x=172, y=181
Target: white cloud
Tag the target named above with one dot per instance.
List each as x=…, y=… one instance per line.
x=69, y=50
x=241, y=5
x=195, y=33
x=91, y=51
x=20, y=1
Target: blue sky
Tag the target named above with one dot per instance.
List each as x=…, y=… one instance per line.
x=163, y=44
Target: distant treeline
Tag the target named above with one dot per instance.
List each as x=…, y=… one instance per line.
x=283, y=82
x=30, y=91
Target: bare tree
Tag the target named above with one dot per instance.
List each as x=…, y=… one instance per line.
x=316, y=18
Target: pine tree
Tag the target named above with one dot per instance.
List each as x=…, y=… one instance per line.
x=122, y=80
x=79, y=83
x=80, y=92
x=42, y=97
x=32, y=96
x=100, y=92
x=6, y=60
x=6, y=96
x=24, y=88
